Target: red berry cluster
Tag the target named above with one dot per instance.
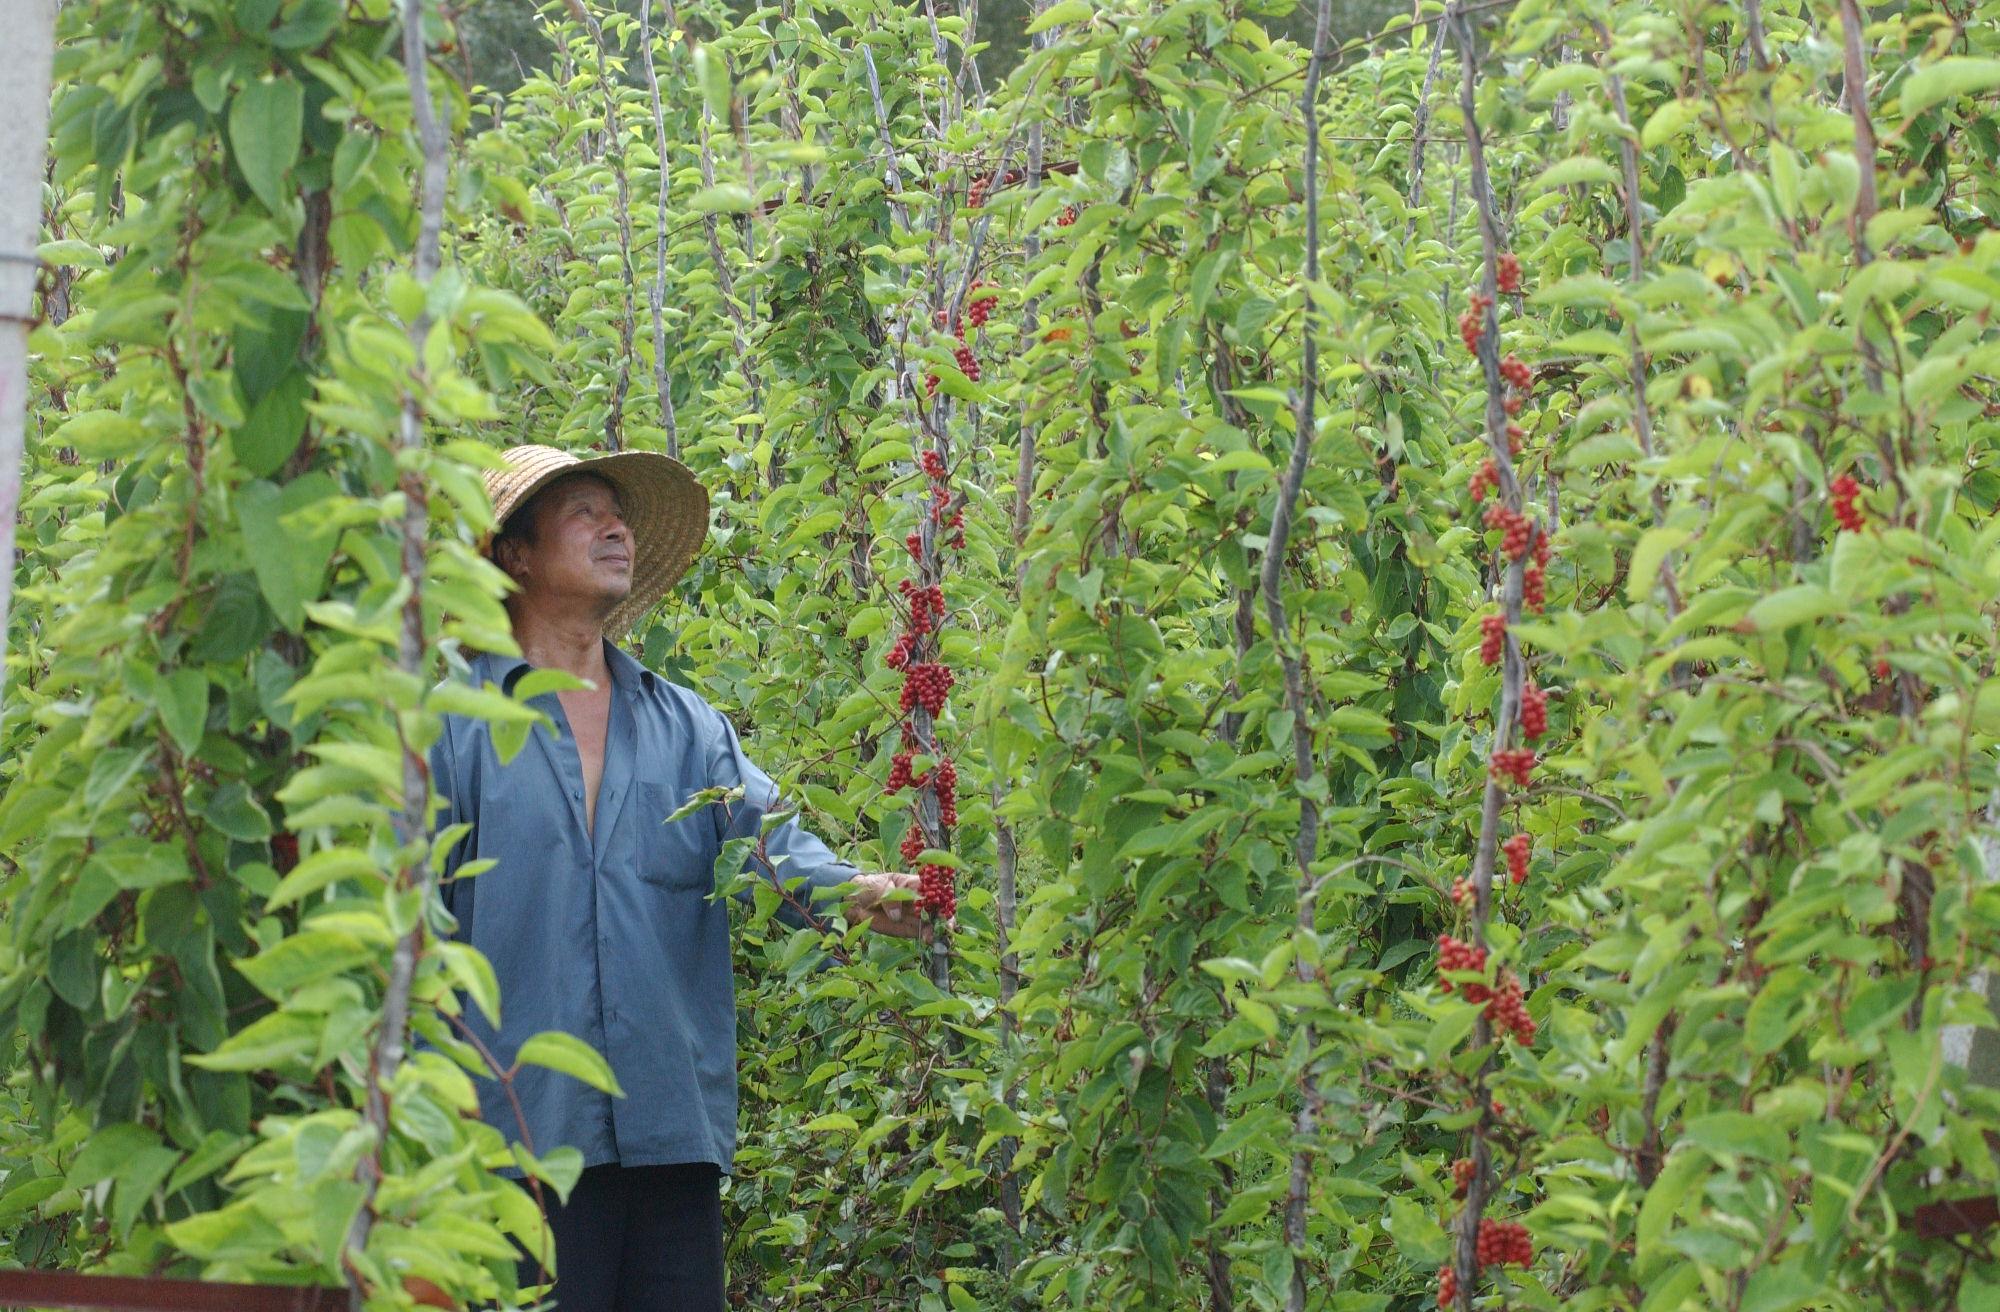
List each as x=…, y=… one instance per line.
x=1516, y=373
x=1518, y=762
x=926, y=605
x=1454, y=955
x=1486, y=476
x=976, y=195
x=1067, y=217
x=1534, y=581
x=925, y=684
x=1492, y=638
x=1534, y=712
x=1517, y=438
x=1503, y=1243
x=1845, y=490
x=1447, y=1286
x=1514, y=529
x=1509, y=273
x=1507, y=1010
x=1472, y=323
x=1461, y=892
x=979, y=302
x=1516, y=849
x=935, y=891
x=1881, y=672
x=1461, y=1176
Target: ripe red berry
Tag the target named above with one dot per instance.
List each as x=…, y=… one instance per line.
x=1534, y=712
x=1067, y=217
x=1472, y=323
x=933, y=464
x=1516, y=438
x=1447, y=1287
x=1516, y=372
x=1507, y=1011
x=1454, y=955
x=1503, y=1243
x=1516, y=763
x=1461, y=893
x=1461, y=1175
x=1508, y=273
x=1534, y=588
x=976, y=196
x=979, y=302
x=1517, y=857
x=1881, y=669
x=1844, y=490
x=913, y=844
x=1485, y=477
x=1492, y=638
x=967, y=363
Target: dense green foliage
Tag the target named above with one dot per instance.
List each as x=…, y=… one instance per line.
x=1756, y=256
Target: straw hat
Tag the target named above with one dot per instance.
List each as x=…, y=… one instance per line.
x=665, y=507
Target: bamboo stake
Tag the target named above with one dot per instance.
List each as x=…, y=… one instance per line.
x=24, y=119
x=1306, y=845
x=412, y=821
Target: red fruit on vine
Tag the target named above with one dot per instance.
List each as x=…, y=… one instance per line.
x=1516, y=763
x=899, y=772
x=1503, y=1243
x=1485, y=477
x=1514, y=529
x=1516, y=438
x=1492, y=638
x=1461, y=1175
x=1517, y=857
x=933, y=464
x=912, y=845
x=1534, y=712
x=1454, y=955
x=1511, y=403
x=935, y=891
x=1472, y=323
x=1508, y=274
x=1534, y=586
x=976, y=196
x=1447, y=1287
x=1542, y=549
x=913, y=541
x=1844, y=490
x=899, y=655
x=1461, y=893
x=1507, y=1011
x=1516, y=372
x=968, y=364
x=926, y=684
x=1067, y=217
x=1881, y=671
x=931, y=385
x=979, y=302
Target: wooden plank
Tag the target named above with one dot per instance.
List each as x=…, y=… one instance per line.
x=69, y=1289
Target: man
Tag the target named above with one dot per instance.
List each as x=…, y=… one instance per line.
x=596, y=916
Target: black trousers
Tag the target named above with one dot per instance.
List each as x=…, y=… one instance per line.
x=637, y=1239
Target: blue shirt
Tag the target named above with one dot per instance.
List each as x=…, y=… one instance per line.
x=610, y=935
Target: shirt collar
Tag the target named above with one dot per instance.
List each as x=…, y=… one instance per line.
x=627, y=674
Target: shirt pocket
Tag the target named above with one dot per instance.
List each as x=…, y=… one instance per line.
x=679, y=856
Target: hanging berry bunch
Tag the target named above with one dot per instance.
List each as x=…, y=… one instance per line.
x=926, y=683
x=1844, y=490
x=977, y=309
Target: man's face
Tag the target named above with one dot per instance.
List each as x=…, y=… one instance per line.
x=582, y=552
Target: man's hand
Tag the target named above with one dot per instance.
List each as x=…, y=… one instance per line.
x=899, y=918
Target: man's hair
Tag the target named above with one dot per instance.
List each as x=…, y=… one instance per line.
x=523, y=526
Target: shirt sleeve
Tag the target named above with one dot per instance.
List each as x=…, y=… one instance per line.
x=794, y=851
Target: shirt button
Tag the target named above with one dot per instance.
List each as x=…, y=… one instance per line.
x=577, y=793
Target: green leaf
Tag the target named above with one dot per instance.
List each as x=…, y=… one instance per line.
x=99, y=435
x=294, y=572
x=304, y=958
x=271, y=431
x=1947, y=78
x=182, y=698
x=572, y=1056
x=1794, y=605
x=265, y=121
x=1644, y=574
x=106, y=1150
x=723, y=198
x=1065, y=11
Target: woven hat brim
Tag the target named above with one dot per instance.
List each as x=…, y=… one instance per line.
x=665, y=505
